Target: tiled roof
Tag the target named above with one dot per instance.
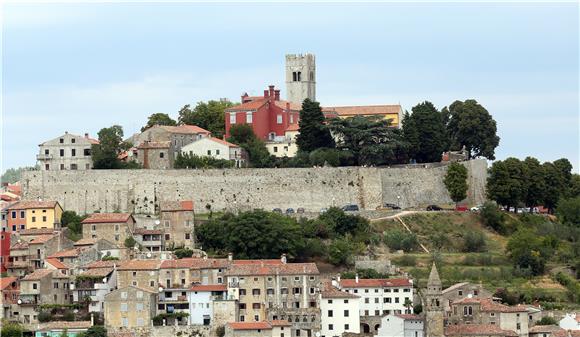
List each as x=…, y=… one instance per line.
x=154, y=145
x=488, y=305
x=279, y=322
x=257, y=262
x=544, y=329
x=410, y=317
x=41, y=239
x=19, y=246
x=271, y=269
x=57, y=325
x=107, y=218
x=86, y=242
x=194, y=263
x=6, y=281
x=362, y=110
x=293, y=127
x=36, y=231
x=103, y=264
x=250, y=325
x=31, y=204
x=209, y=287
x=185, y=129
x=375, y=283
x=566, y=333
x=252, y=105
x=37, y=275
x=97, y=272
x=330, y=291
x=183, y=205
x=477, y=330
x=56, y=263
x=140, y=265
x=74, y=252
x=221, y=141
x=293, y=106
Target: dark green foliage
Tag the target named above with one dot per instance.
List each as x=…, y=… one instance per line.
x=547, y=320
x=555, y=185
x=325, y=157
x=571, y=284
x=364, y=274
x=341, y=223
x=258, y=155
x=506, y=296
x=209, y=116
x=220, y=331
x=535, y=184
x=183, y=253
x=11, y=329
x=529, y=251
x=12, y=175
x=471, y=125
x=105, y=154
x=314, y=134
x=340, y=252
x=109, y=258
x=94, y=331
x=72, y=221
x=568, y=211
x=185, y=161
x=456, y=181
x=474, y=242
x=574, y=190
x=370, y=140
x=492, y=217
x=44, y=316
x=130, y=242
x=397, y=239
x=158, y=119
x=425, y=132
x=417, y=309
x=506, y=184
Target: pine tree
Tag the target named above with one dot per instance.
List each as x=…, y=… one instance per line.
x=314, y=134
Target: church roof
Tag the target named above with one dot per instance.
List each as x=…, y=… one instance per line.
x=434, y=279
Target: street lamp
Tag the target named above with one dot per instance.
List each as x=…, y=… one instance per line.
x=398, y=201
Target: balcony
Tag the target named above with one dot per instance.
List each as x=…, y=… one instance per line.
x=233, y=284
x=43, y=156
x=176, y=299
x=28, y=300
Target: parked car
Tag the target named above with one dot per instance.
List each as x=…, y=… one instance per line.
x=350, y=208
x=290, y=211
x=434, y=208
x=461, y=208
x=387, y=205
x=277, y=210
x=323, y=210
x=300, y=210
x=475, y=209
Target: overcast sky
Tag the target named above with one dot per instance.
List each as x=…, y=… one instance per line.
x=82, y=67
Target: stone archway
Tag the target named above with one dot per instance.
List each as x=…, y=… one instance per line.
x=365, y=328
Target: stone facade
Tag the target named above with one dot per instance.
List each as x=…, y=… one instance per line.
x=433, y=304
x=67, y=152
x=140, y=191
x=461, y=290
x=113, y=227
x=177, y=223
x=129, y=307
x=300, y=77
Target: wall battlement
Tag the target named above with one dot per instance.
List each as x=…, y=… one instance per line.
x=141, y=191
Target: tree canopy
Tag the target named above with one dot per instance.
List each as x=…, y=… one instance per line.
x=12, y=175
x=258, y=155
x=425, y=132
x=209, y=116
x=158, y=119
x=314, y=134
x=456, y=181
x=111, y=144
x=506, y=183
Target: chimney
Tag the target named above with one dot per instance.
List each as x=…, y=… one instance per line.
x=86, y=135
x=277, y=94
x=230, y=256
x=244, y=96
x=265, y=93
x=338, y=278
x=356, y=278
x=283, y=258
x=271, y=94
x=66, y=132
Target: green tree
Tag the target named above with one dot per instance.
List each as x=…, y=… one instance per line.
x=568, y=211
x=73, y=222
x=472, y=126
x=105, y=154
x=314, y=133
x=130, y=242
x=397, y=239
x=12, y=175
x=535, y=185
x=186, y=161
x=527, y=250
x=341, y=223
x=158, y=119
x=95, y=331
x=574, y=190
x=473, y=242
x=209, y=116
x=492, y=217
x=555, y=185
x=370, y=140
x=547, y=320
x=506, y=184
x=258, y=155
x=456, y=181
x=428, y=137
x=181, y=253
x=340, y=252
x=11, y=329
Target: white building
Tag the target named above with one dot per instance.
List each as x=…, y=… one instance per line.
x=400, y=325
x=381, y=296
x=67, y=152
x=94, y=284
x=284, y=146
x=201, y=298
x=215, y=148
x=339, y=311
x=570, y=322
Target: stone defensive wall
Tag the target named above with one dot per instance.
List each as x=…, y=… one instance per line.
x=141, y=191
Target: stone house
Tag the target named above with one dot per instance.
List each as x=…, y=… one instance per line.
x=155, y=155
x=462, y=290
x=129, y=307
x=479, y=330
x=57, y=328
x=19, y=260
x=401, y=325
x=475, y=310
x=67, y=152
x=276, y=328
x=177, y=223
x=201, y=299
x=113, y=227
x=76, y=257
x=339, y=310
x=43, y=286
x=94, y=284
x=150, y=239
x=139, y=273
x=10, y=289
x=545, y=331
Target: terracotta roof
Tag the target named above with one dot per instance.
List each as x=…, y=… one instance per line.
x=194, y=263
x=183, y=205
x=544, y=329
x=19, y=246
x=362, y=110
x=57, y=325
x=97, y=272
x=293, y=127
x=330, y=291
x=221, y=141
x=36, y=231
x=293, y=106
x=37, y=275
x=488, y=305
x=56, y=263
x=154, y=145
x=31, y=204
x=73, y=252
x=140, y=265
x=566, y=333
x=41, y=239
x=375, y=283
x=103, y=264
x=279, y=322
x=86, y=242
x=209, y=287
x=15, y=188
x=250, y=325
x=6, y=281
x=271, y=269
x=410, y=317
x=107, y=218
x=252, y=105
x=477, y=330
x=145, y=231
x=259, y=262
x=185, y=129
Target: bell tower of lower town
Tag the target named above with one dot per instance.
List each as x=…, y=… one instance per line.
x=300, y=77
x=433, y=302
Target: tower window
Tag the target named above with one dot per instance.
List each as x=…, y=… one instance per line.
x=296, y=76
x=312, y=76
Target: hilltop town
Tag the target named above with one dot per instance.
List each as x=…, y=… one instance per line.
x=290, y=218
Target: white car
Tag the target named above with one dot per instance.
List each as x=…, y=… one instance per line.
x=474, y=209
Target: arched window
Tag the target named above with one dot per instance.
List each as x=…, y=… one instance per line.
x=464, y=311
x=470, y=311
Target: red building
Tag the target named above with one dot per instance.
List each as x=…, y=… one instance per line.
x=4, y=249
x=268, y=115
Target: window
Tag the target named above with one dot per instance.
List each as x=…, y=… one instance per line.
x=167, y=237
x=396, y=300
x=73, y=152
x=330, y=327
x=34, y=286
x=518, y=326
x=366, y=290
x=275, y=149
x=44, y=218
x=124, y=307
x=33, y=219
x=62, y=166
x=61, y=152
x=279, y=119
x=460, y=292
x=140, y=321
x=256, y=306
x=367, y=300
x=376, y=300
x=284, y=291
x=242, y=318
x=139, y=306
x=346, y=313
x=257, y=319
x=346, y=327
x=312, y=290
x=61, y=140
x=297, y=332
x=46, y=152
x=22, y=215
x=255, y=292
x=87, y=152
x=270, y=291
x=475, y=293
x=161, y=154
x=330, y=313
x=166, y=223
x=232, y=118
x=242, y=291
x=217, y=152
x=366, y=312
x=249, y=117
x=125, y=321
x=296, y=291
x=47, y=167
x=242, y=306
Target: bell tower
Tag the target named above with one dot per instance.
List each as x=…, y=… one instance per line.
x=300, y=77
x=434, y=305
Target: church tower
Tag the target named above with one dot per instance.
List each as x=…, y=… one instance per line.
x=434, y=305
x=300, y=78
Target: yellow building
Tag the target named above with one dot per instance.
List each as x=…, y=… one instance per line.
x=284, y=146
x=34, y=214
x=394, y=112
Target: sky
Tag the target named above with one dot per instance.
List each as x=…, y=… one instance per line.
x=79, y=67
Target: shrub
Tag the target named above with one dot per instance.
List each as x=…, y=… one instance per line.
x=407, y=261
x=397, y=239
x=220, y=331
x=130, y=242
x=546, y=320
x=185, y=161
x=474, y=241
x=44, y=316
x=183, y=253
x=340, y=252
x=109, y=258
x=325, y=157
x=492, y=217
